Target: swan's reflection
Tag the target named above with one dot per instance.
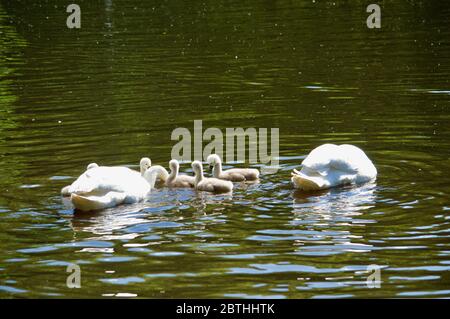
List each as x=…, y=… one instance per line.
x=203, y=199
x=162, y=206
x=348, y=201
x=328, y=218
x=109, y=221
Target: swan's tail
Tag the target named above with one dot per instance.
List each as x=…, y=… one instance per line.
x=307, y=183
x=87, y=203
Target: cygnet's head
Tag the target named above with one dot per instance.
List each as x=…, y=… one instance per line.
x=92, y=165
x=145, y=164
x=213, y=159
x=174, y=165
x=197, y=167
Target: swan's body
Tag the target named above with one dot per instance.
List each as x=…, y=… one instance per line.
x=233, y=174
x=213, y=185
x=331, y=165
x=102, y=187
x=144, y=164
x=176, y=180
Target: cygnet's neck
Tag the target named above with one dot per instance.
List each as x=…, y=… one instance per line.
x=173, y=173
x=198, y=174
x=217, y=169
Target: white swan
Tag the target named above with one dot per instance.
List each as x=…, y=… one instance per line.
x=176, y=180
x=144, y=164
x=103, y=186
x=214, y=185
x=233, y=174
x=331, y=165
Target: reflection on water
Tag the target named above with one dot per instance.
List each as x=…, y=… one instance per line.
x=331, y=216
x=113, y=91
x=137, y=219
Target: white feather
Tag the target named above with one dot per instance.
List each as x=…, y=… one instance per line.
x=331, y=165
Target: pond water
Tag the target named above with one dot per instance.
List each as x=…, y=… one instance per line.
x=113, y=91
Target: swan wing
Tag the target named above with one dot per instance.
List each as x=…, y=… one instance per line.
x=329, y=157
x=104, y=179
x=359, y=161
x=319, y=159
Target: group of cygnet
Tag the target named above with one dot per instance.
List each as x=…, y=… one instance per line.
x=220, y=183
x=102, y=187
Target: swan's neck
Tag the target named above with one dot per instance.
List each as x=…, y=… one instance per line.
x=162, y=172
x=217, y=169
x=164, y=175
x=152, y=174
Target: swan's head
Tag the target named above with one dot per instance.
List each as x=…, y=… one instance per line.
x=92, y=165
x=197, y=167
x=174, y=165
x=213, y=159
x=145, y=164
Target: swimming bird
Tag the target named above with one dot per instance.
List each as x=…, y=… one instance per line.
x=176, y=180
x=104, y=187
x=233, y=174
x=332, y=165
x=214, y=185
x=144, y=164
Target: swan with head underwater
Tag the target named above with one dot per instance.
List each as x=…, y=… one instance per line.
x=332, y=165
x=108, y=186
x=232, y=174
x=144, y=164
x=213, y=185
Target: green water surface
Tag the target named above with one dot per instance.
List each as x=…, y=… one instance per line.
x=113, y=91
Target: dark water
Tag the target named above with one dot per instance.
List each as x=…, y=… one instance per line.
x=113, y=91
